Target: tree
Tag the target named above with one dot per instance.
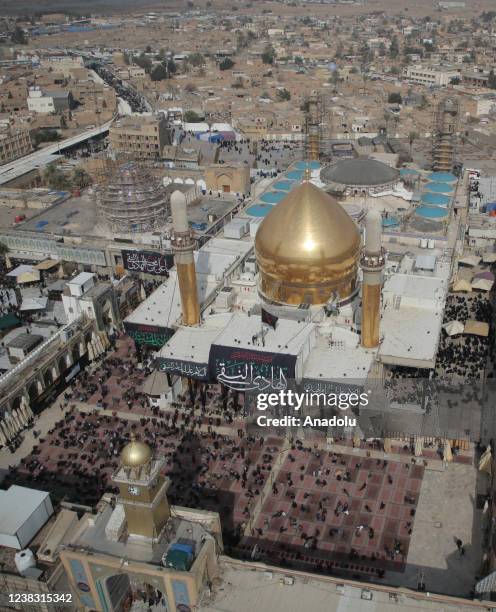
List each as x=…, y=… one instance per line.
x=18, y=36
x=412, y=137
x=46, y=135
x=226, y=64
x=81, y=178
x=395, y=98
x=148, y=49
x=491, y=80
x=196, y=59
x=455, y=81
x=283, y=95
x=55, y=178
x=143, y=62
x=394, y=48
x=335, y=77
x=159, y=73
x=268, y=55
x=191, y=117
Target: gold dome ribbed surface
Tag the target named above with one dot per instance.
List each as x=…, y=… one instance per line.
x=307, y=247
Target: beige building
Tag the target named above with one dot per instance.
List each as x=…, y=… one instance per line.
x=14, y=143
x=138, y=548
x=228, y=178
x=140, y=137
x=427, y=75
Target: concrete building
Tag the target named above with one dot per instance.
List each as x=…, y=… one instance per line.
x=97, y=301
x=46, y=102
x=141, y=138
x=14, y=143
x=435, y=76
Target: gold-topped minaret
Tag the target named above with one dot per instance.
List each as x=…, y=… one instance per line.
x=372, y=264
x=183, y=244
x=142, y=491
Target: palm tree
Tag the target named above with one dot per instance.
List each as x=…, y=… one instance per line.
x=412, y=137
x=55, y=178
x=81, y=178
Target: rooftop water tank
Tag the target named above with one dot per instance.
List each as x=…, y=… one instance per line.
x=24, y=559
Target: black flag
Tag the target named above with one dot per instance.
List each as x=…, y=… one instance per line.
x=269, y=318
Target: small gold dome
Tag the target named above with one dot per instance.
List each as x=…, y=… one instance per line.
x=135, y=454
x=307, y=248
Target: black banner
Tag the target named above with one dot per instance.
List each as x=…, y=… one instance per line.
x=269, y=319
x=150, y=335
x=248, y=370
x=147, y=262
x=188, y=369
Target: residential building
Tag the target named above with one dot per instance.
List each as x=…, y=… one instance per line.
x=143, y=137
x=14, y=143
x=45, y=102
x=438, y=77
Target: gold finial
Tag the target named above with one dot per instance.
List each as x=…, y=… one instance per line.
x=308, y=174
x=135, y=453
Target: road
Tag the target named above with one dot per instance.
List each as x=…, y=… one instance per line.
x=41, y=158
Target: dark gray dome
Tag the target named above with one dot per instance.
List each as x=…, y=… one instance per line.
x=361, y=172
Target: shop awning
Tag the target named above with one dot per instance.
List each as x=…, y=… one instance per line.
x=47, y=264
x=477, y=328
x=463, y=286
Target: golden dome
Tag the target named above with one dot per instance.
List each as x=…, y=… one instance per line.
x=135, y=454
x=307, y=247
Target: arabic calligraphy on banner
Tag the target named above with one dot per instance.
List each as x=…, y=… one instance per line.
x=147, y=262
x=149, y=335
x=251, y=370
x=189, y=369
x=317, y=386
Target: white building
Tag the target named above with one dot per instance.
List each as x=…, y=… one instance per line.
x=439, y=77
x=23, y=512
x=47, y=102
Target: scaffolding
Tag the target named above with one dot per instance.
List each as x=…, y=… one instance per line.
x=444, y=135
x=130, y=199
x=318, y=128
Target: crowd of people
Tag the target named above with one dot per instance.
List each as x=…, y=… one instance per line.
x=464, y=356
x=327, y=509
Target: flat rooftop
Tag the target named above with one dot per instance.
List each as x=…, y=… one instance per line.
x=79, y=216
x=412, y=317
x=341, y=361
x=289, y=337
x=254, y=586
x=193, y=343
x=94, y=536
x=17, y=504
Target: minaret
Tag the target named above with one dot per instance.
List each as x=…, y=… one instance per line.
x=142, y=491
x=372, y=264
x=313, y=129
x=183, y=244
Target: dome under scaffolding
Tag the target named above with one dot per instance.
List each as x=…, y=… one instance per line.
x=133, y=200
